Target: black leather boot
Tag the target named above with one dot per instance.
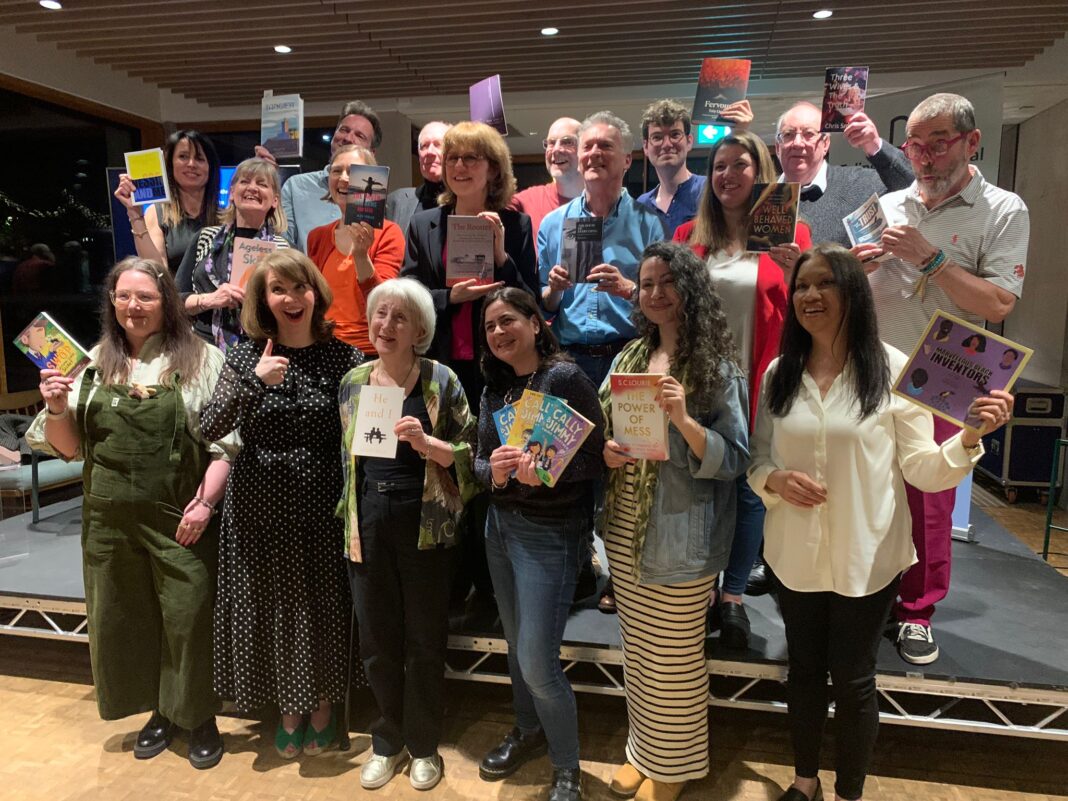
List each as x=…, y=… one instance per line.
x=734, y=625
x=515, y=750
x=154, y=737
x=205, y=745
x=566, y=785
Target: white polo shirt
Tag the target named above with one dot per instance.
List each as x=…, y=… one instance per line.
x=982, y=228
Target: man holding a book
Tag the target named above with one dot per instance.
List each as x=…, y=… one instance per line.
x=403, y=203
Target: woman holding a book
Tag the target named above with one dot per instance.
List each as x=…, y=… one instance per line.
x=216, y=265
x=535, y=533
x=669, y=524
x=282, y=612
x=164, y=231
x=401, y=522
x=149, y=531
x=831, y=452
x=354, y=258
x=753, y=289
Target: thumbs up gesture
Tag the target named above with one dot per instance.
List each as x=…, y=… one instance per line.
x=271, y=370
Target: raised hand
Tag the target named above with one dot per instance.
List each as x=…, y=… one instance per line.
x=271, y=369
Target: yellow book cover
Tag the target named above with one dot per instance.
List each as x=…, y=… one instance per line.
x=527, y=409
x=148, y=171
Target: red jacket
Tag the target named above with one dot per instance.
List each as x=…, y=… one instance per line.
x=771, y=300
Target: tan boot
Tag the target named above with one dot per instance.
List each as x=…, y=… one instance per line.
x=626, y=781
x=652, y=790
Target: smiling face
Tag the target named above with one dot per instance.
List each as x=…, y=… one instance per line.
x=337, y=180
x=353, y=130
x=817, y=299
x=393, y=329
x=602, y=158
x=509, y=334
x=801, y=160
x=254, y=197
x=939, y=177
x=138, y=305
x=190, y=166
x=291, y=303
x=430, y=138
x=667, y=146
x=467, y=174
x=657, y=297
x=561, y=156
x=733, y=175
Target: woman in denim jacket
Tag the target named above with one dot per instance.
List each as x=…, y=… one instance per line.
x=669, y=524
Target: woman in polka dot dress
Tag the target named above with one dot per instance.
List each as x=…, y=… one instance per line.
x=282, y=612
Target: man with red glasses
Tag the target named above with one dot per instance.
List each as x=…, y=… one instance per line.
x=960, y=245
x=561, y=160
x=829, y=193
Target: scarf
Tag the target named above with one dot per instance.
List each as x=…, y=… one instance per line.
x=226, y=327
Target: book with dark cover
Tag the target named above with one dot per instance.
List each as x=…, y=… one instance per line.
x=582, y=246
x=722, y=81
x=368, y=186
x=844, y=90
x=773, y=216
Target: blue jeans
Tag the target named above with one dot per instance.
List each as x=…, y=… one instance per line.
x=748, y=534
x=534, y=567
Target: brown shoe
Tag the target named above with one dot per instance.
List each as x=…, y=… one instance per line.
x=652, y=790
x=626, y=781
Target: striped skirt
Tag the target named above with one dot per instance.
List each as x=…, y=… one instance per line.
x=663, y=632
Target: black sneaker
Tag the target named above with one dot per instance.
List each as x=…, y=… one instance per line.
x=916, y=644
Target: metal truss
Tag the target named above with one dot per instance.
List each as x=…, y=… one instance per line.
x=43, y=617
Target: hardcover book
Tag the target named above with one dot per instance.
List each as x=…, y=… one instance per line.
x=638, y=422
x=956, y=362
x=379, y=409
x=469, y=245
x=487, y=103
x=148, y=171
x=722, y=81
x=557, y=436
x=773, y=216
x=282, y=125
x=527, y=409
x=246, y=255
x=582, y=246
x=368, y=185
x=844, y=89
x=46, y=344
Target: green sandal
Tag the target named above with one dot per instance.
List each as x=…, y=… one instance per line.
x=288, y=744
x=315, y=741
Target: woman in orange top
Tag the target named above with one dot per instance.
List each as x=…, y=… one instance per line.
x=354, y=258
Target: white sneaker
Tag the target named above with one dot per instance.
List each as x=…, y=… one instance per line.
x=378, y=770
x=425, y=772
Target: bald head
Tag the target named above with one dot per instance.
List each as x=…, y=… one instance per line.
x=561, y=151
x=800, y=146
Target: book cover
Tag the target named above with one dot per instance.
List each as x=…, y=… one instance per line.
x=866, y=225
x=773, y=216
x=368, y=185
x=46, y=344
x=722, y=81
x=527, y=409
x=487, y=103
x=638, y=422
x=148, y=171
x=503, y=419
x=582, y=246
x=557, y=436
x=956, y=362
x=379, y=409
x=469, y=246
x=282, y=125
x=246, y=255
x=844, y=89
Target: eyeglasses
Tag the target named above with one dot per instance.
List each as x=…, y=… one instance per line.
x=565, y=142
x=787, y=137
x=672, y=136
x=917, y=150
x=468, y=159
x=123, y=298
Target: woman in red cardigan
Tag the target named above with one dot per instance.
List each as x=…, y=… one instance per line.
x=753, y=289
x=353, y=258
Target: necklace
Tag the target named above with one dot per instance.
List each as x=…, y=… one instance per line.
x=508, y=398
x=379, y=367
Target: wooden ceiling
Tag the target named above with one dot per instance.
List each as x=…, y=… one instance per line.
x=220, y=52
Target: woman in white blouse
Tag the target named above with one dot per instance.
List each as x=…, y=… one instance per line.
x=831, y=451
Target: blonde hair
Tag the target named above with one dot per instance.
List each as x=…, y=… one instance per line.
x=479, y=138
x=289, y=263
x=257, y=168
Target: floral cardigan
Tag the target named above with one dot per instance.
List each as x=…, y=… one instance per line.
x=445, y=489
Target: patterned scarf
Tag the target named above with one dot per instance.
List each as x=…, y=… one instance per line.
x=226, y=327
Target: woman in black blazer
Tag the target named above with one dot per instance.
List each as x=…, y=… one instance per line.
x=478, y=183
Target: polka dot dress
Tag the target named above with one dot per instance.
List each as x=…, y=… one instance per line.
x=283, y=608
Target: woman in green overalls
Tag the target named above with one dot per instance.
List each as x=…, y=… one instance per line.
x=149, y=538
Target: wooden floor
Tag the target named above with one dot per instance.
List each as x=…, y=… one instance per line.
x=55, y=748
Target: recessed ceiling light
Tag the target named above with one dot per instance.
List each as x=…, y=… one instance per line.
x=51, y=5
x=283, y=49
x=823, y=13
x=550, y=31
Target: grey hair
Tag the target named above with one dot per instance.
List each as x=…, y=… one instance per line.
x=361, y=109
x=959, y=109
x=798, y=104
x=608, y=118
x=433, y=122
x=416, y=298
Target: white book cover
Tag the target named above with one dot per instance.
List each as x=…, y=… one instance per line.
x=282, y=125
x=379, y=410
x=469, y=242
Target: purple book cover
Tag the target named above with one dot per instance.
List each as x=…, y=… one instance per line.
x=956, y=362
x=487, y=103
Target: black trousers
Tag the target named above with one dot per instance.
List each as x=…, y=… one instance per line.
x=401, y=595
x=831, y=634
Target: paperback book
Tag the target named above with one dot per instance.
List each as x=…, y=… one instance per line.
x=246, y=255
x=557, y=436
x=503, y=419
x=844, y=89
x=368, y=185
x=487, y=103
x=379, y=409
x=582, y=247
x=282, y=125
x=722, y=81
x=527, y=410
x=148, y=171
x=46, y=344
x=773, y=216
x=469, y=245
x=866, y=225
x=638, y=423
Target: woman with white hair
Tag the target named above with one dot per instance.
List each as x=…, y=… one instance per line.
x=401, y=517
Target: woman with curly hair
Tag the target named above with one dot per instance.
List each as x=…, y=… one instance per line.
x=669, y=524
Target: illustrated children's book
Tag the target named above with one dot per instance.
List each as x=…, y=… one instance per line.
x=48, y=346
x=557, y=436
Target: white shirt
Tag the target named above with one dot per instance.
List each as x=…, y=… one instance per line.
x=819, y=179
x=856, y=542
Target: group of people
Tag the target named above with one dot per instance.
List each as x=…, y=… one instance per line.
x=207, y=395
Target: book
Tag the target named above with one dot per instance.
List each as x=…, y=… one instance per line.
x=487, y=103
x=527, y=409
x=956, y=362
x=638, y=422
x=773, y=216
x=282, y=125
x=503, y=419
x=378, y=410
x=722, y=81
x=557, y=436
x=844, y=89
x=866, y=225
x=582, y=246
x=246, y=255
x=469, y=245
x=46, y=344
x=368, y=185
x=148, y=171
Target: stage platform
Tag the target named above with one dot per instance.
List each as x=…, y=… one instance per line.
x=1003, y=635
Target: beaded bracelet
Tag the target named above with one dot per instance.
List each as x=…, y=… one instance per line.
x=934, y=264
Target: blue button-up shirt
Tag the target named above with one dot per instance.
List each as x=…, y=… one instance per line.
x=684, y=204
x=587, y=317
x=302, y=201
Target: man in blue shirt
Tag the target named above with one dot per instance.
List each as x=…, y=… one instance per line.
x=593, y=317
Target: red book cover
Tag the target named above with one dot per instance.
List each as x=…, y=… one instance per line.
x=722, y=81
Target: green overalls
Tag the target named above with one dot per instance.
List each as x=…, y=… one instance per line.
x=149, y=599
